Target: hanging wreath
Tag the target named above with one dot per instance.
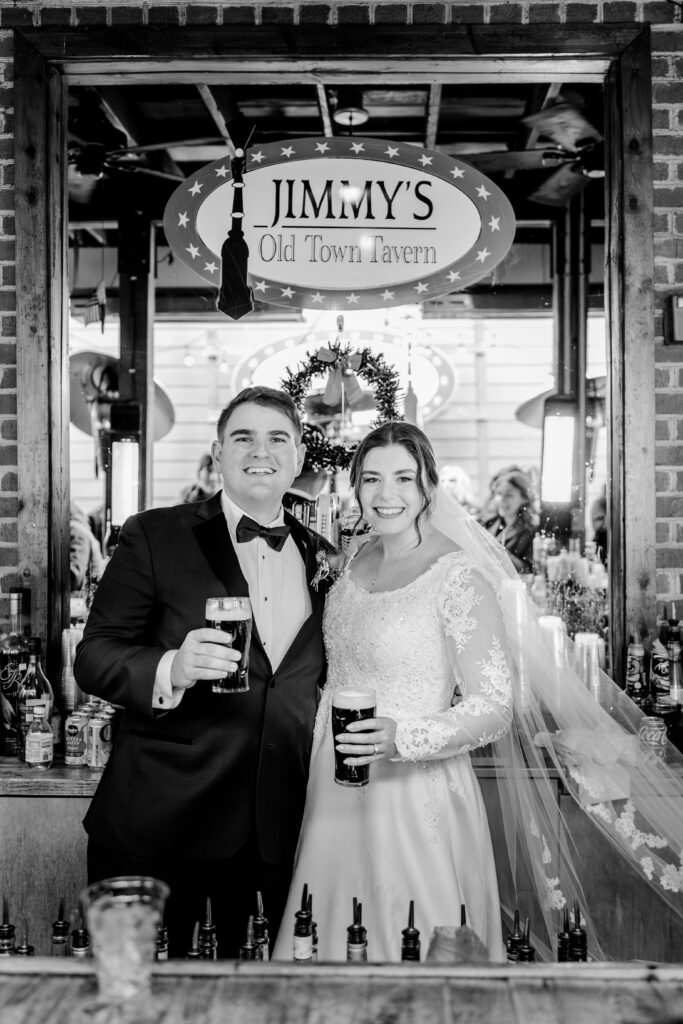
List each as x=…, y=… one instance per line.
x=343, y=368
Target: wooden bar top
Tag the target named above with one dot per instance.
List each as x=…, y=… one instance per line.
x=18, y=780
x=44, y=991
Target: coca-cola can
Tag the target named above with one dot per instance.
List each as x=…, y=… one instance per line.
x=652, y=737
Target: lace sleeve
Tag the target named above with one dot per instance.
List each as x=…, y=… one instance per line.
x=474, y=635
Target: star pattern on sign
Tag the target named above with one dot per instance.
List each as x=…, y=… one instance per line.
x=424, y=160
x=183, y=220
x=458, y=172
x=193, y=251
x=357, y=147
x=321, y=147
x=317, y=297
x=196, y=189
x=352, y=299
x=482, y=193
x=257, y=157
x=211, y=267
x=287, y=293
x=391, y=152
x=420, y=287
x=387, y=295
x=454, y=275
x=287, y=151
x=482, y=254
x=260, y=286
x=221, y=172
x=494, y=223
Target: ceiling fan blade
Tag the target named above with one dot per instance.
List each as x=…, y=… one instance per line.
x=517, y=160
x=561, y=186
x=134, y=168
x=156, y=146
x=564, y=124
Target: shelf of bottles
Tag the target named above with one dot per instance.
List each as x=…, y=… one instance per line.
x=447, y=945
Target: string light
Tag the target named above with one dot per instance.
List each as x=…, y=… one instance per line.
x=189, y=358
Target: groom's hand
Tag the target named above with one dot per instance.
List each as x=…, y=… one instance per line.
x=204, y=654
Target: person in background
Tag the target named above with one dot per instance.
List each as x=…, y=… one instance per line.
x=457, y=482
x=599, y=521
x=206, y=484
x=204, y=790
x=514, y=523
x=489, y=509
x=85, y=553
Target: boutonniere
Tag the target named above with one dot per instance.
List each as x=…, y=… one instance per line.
x=330, y=567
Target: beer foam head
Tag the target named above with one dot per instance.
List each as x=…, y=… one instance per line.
x=226, y=612
x=354, y=698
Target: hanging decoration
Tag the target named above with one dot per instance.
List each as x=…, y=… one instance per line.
x=343, y=368
x=235, y=297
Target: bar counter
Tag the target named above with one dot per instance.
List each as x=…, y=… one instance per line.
x=43, y=858
x=44, y=991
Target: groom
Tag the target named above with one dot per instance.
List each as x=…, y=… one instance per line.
x=203, y=790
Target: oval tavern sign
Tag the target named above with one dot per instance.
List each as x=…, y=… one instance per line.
x=346, y=223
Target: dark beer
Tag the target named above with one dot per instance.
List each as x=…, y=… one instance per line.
x=232, y=615
x=350, y=705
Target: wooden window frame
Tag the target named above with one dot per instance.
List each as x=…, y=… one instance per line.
x=48, y=60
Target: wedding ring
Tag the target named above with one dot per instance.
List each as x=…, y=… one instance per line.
x=374, y=749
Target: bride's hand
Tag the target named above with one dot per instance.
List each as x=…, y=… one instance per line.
x=369, y=740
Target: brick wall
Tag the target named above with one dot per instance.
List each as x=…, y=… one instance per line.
x=666, y=18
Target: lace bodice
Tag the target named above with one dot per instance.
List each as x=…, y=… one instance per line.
x=413, y=645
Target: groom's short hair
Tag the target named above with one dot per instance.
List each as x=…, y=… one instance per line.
x=268, y=397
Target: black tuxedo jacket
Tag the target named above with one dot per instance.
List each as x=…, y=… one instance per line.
x=195, y=782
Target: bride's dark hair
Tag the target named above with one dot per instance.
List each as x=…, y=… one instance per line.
x=416, y=443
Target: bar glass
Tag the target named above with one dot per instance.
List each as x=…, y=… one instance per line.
x=350, y=705
x=232, y=615
x=123, y=914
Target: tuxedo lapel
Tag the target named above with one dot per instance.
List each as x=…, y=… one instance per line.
x=303, y=540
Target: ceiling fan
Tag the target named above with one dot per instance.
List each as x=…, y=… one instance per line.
x=575, y=153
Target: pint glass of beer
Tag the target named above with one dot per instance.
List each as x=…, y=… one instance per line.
x=232, y=615
x=350, y=705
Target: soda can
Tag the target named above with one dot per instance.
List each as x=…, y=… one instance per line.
x=75, y=739
x=99, y=741
x=652, y=737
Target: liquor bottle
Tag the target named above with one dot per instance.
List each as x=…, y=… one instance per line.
x=80, y=940
x=303, y=931
x=527, y=952
x=39, y=750
x=636, y=687
x=249, y=950
x=34, y=690
x=261, y=937
x=314, y=931
x=357, y=936
x=25, y=948
x=60, y=933
x=13, y=665
x=563, y=939
x=673, y=651
x=514, y=940
x=161, y=943
x=208, y=941
x=578, y=947
x=7, y=940
x=410, y=937
x=193, y=952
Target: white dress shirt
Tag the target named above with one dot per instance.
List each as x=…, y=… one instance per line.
x=278, y=592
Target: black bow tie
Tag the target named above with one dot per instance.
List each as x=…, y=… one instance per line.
x=274, y=536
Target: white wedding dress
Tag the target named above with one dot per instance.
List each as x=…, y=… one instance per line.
x=419, y=829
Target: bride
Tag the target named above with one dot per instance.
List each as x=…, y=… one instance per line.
x=431, y=616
